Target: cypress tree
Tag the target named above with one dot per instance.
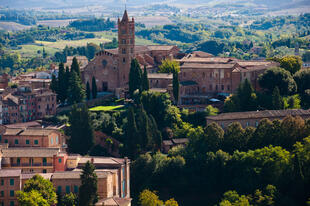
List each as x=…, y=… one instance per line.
x=156, y=134
x=75, y=67
x=88, y=190
x=135, y=77
x=54, y=84
x=81, y=130
x=132, y=148
x=94, y=88
x=62, y=83
x=145, y=81
x=176, y=87
x=277, y=100
x=76, y=91
x=87, y=91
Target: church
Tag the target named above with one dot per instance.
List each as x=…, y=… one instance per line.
x=111, y=67
x=202, y=76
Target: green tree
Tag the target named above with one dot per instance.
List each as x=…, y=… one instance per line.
x=132, y=146
x=169, y=66
x=149, y=198
x=291, y=63
x=81, y=130
x=278, y=77
x=76, y=91
x=54, y=84
x=176, y=87
x=88, y=91
x=234, y=138
x=44, y=54
x=171, y=202
x=247, y=96
x=32, y=198
x=94, y=88
x=145, y=81
x=44, y=187
x=135, y=77
x=88, y=190
x=214, y=137
x=277, y=100
x=75, y=67
x=211, y=111
x=302, y=79
x=62, y=83
x=69, y=200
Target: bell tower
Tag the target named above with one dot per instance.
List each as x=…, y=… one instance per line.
x=126, y=48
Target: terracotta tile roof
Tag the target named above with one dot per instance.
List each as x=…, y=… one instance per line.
x=10, y=172
x=159, y=76
x=206, y=66
x=207, y=60
x=37, y=132
x=260, y=114
x=76, y=174
x=12, y=131
x=29, y=176
x=29, y=152
x=102, y=160
x=160, y=47
x=180, y=140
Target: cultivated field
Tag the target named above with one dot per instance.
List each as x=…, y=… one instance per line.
x=12, y=26
x=55, y=23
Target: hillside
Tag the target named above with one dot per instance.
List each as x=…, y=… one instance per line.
x=113, y=3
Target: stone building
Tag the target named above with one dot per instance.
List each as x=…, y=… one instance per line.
x=25, y=104
x=110, y=67
x=203, y=76
x=253, y=118
x=25, y=152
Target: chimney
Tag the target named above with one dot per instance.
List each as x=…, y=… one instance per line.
x=92, y=160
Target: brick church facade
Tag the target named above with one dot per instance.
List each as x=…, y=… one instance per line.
x=110, y=67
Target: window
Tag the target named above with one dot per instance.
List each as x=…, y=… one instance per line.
x=12, y=203
x=56, y=139
x=59, y=160
x=6, y=141
x=27, y=141
x=76, y=189
x=67, y=189
x=18, y=161
x=228, y=87
x=11, y=193
x=123, y=41
x=124, y=60
x=222, y=87
x=247, y=124
x=216, y=87
x=131, y=50
x=52, y=140
x=256, y=123
x=0, y=138
x=44, y=171
x=2, y=193
x=123, y=51
x=36, y=141
x=11, y=182
x=2, y=181
x=16, y=141
x=59, y=189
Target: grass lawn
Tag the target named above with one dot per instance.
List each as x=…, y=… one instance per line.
x=106, y=108
x=30, y=50
x=74, y=43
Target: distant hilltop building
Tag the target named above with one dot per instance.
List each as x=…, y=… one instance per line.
x=202, y=75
